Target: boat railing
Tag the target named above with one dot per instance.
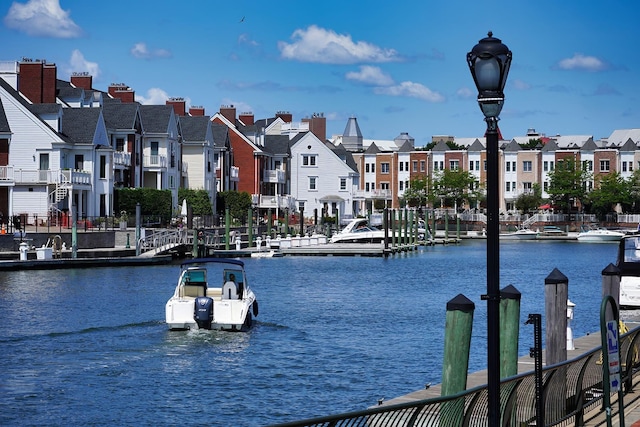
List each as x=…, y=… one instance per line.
x=571, y=393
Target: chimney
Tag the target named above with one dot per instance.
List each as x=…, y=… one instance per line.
x=247, y=118
x=286, y=116
x=123, y=92
x=82, y=80
x=178, y=104
x=317, y=125
x=229, y=113
x=196, y=110
x=37, y=80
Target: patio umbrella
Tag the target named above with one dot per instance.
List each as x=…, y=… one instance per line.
x=183, y=211
x=546, y=206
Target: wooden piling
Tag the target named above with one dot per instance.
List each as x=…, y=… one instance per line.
x=556, y=293
x=509, y=331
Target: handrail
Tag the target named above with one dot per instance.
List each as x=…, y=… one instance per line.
x=572, y=393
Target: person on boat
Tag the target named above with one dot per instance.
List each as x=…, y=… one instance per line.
x=230, y=288
x=201, y=247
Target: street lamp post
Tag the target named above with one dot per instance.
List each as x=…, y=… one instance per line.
x=489, y=63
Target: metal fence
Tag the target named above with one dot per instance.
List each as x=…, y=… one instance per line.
x=571, y=393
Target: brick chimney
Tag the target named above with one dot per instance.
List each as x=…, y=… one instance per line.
x=178, y=104
x=286, y=116
x=196, y=110
x=123, y=92
x=229, y=113
x=37, y=80
x=247, y=118
x=82, y=80
x=317, y=125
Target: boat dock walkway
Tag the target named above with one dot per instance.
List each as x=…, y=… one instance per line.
x=526, y=364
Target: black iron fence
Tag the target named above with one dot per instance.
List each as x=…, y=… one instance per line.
x=571, y=394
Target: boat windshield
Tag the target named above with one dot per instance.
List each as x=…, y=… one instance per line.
x=632, y=249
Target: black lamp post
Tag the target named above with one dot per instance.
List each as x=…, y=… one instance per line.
x=489, y=63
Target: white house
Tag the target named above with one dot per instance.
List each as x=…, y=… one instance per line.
x=323, y=177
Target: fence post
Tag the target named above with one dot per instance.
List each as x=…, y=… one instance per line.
x=509, y=331
x=556, y=293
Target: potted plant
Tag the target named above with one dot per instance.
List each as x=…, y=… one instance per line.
x=124, y=219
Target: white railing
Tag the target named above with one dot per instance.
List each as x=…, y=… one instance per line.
x=274, y=176
x=373, y=194
x=120, y=158
x=72, y=176
x=154, y=161
x=274, y=202
x=68, y=176
x=6, y=173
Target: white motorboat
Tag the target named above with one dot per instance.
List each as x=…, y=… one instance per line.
x=629, y=264
x=212, y=293
x=598, y=235
x=358, y=231
x=520, y=234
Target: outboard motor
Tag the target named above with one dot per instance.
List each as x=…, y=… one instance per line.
x=203, y=312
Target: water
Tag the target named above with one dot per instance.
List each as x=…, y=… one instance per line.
x=334, y=334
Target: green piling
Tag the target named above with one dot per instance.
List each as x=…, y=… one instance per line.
x=509, y=331
x=250, y=226
x=457, y=342
x=227, y=227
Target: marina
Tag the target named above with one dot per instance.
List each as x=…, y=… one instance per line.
x=361, y=329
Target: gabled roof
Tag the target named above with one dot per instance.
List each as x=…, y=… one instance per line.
x=629, y=146
x=155, y=118
x=441, y=146
x=476, y=146
x=407, y=147
x=344, y=155
x=277, y=144
x=512, y=146
x=589, y=146
x=620, y=136
x=373, y=149
x=572, y=141
x=550, y=146
x=220, y=135
x=4, y=123
x=120, y=116
x=80, y=124
x=194, y=128
x=50, y=108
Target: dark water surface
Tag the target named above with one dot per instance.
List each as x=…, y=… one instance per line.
x=334, y=334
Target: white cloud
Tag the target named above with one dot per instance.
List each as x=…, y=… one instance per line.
x=43, y=18
x=155, y=96
x=582, y=62
x=410, y=89
x=244, y=38
x=319, y=45
x=370, y=75
x=141, y=51
x=465, y=92
x=520, y=85
x=79, y=63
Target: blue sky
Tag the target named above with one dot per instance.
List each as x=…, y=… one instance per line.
x=397, y=67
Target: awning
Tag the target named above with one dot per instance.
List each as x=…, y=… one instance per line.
x=545, y=206
x=331, y=198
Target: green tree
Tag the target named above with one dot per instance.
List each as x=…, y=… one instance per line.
x=417, y=194
x=198, y=200
x=152, y=201
x=454, y=186
x=566, y=184
x=633, y=185
x=530, y=201
x=237, y=202
x=610, y=190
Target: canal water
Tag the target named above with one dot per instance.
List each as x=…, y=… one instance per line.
x=334, y=334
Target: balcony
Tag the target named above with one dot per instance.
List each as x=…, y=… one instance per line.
x=6, y=174
x=373, y=194
x=274, y=202
x=234, y=173
x=275, y=176
x=154, y=162
x=65, y=176
x=120, y=158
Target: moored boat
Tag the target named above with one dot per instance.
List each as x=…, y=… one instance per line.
x=520, y=234
x=199, y=302
x=598, y=235
x=358, y=230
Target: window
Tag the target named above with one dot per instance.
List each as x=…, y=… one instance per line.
x=454, y=165
x=384, y=186
x=508, y=186
x=470, y=165
x=526, y=186
x=513, y=166
x=415, y=166
x=312, y=182
x=485, y=165
x=401, y=166
x=343, y=184
x=366, y=168
x=401, y=187
x=308, y=160
x=526, y=166
x=551, y=165
x=624, y=166
x=366, y=186
x=630, y=166
x=590, y=165
x=477, y=165
x=508, y=166
x=604, y=165
x=120, y=144
x=545, y=186
x=172, y=183
x=545, y=166
x=79, y=162
x=422, y=165
x=103, y=167
x=384, y=167
x=406, y=166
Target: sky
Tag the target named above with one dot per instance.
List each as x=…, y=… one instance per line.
x=395, y=66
